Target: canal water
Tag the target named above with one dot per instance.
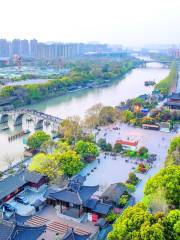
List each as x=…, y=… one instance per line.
x=76, y=103
x=132, y=85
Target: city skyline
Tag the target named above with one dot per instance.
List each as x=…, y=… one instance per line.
x=131, y=23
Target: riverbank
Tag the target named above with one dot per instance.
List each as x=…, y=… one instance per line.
x=86, y=75
x=168, y=84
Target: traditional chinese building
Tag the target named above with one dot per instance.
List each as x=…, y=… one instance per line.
x=14, y=184
x=173, y=101
x=77, y=199
x=14, y=231
x=128, y=145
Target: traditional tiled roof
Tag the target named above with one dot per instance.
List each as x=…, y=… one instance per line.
x=113, y=192
x=76, y=197
x=13, y=231
x=102, y=208
x=128, y=143
x=97, y=206
x=27, y=232
x=13, y=182
x=6, y=229
x=32, y=176
x=71, y=235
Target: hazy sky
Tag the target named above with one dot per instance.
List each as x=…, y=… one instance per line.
x=129, y=22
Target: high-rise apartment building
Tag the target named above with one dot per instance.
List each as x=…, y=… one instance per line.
x=33, y=48
x=4, y=48
x=48, y=51
x=16, y=47
x=24, y=48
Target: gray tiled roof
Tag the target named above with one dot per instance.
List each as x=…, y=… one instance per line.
x=79, y=197
x=12, y=231
x=97, y=206
x=102, y=208
x=114, y=192
x=71, y=235
x=6, y=229
x=13, y=182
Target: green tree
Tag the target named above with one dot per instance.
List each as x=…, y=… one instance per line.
x=87, y=150
x=142, y=151
x=132, y=179
x=136, y=223
x=172, y=225
x=127, y=116
x=117, y=148
x=46, y=164
x=166, y=179
x=165, y=85
x=37, y=139
x=173, y=156
x=70, y=162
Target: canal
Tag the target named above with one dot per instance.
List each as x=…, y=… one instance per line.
x=76, y=103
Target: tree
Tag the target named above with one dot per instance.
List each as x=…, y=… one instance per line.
x=142, y=151
x=9, y=160
x=104, y=145
x=87, y=150
x=108, y=115
x=166, y=179
x=132, y=179
x=37, y=139
x=147, y=120
x=173, y=156
x=62, y=146
x=172, y=225
x=70, y=162
x=127, y=116
x=71, y=128
x=136, y=223
x=48, y=146
x=157, y=202
x=46, y=164
x=92, y=116
x=117, y=148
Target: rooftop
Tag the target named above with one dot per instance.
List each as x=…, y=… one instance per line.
x=128, y=143
x=71, y=235
x=13, y=182
x=13, y=231
x=76, y=197
x=114, y=192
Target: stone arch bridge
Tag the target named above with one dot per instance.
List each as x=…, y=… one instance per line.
x=37, y=117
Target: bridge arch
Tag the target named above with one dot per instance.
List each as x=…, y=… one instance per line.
x=4, y=118
x=18, y=119
x=39, y=124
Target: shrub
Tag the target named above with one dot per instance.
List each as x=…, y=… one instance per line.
x=111, y=217
x=123, y=200
x=130, y=187
x=117, y=148
x=133, y=179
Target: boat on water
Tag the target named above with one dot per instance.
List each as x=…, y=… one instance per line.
x=26, y=131
x=149, y=83
x=4, y=128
